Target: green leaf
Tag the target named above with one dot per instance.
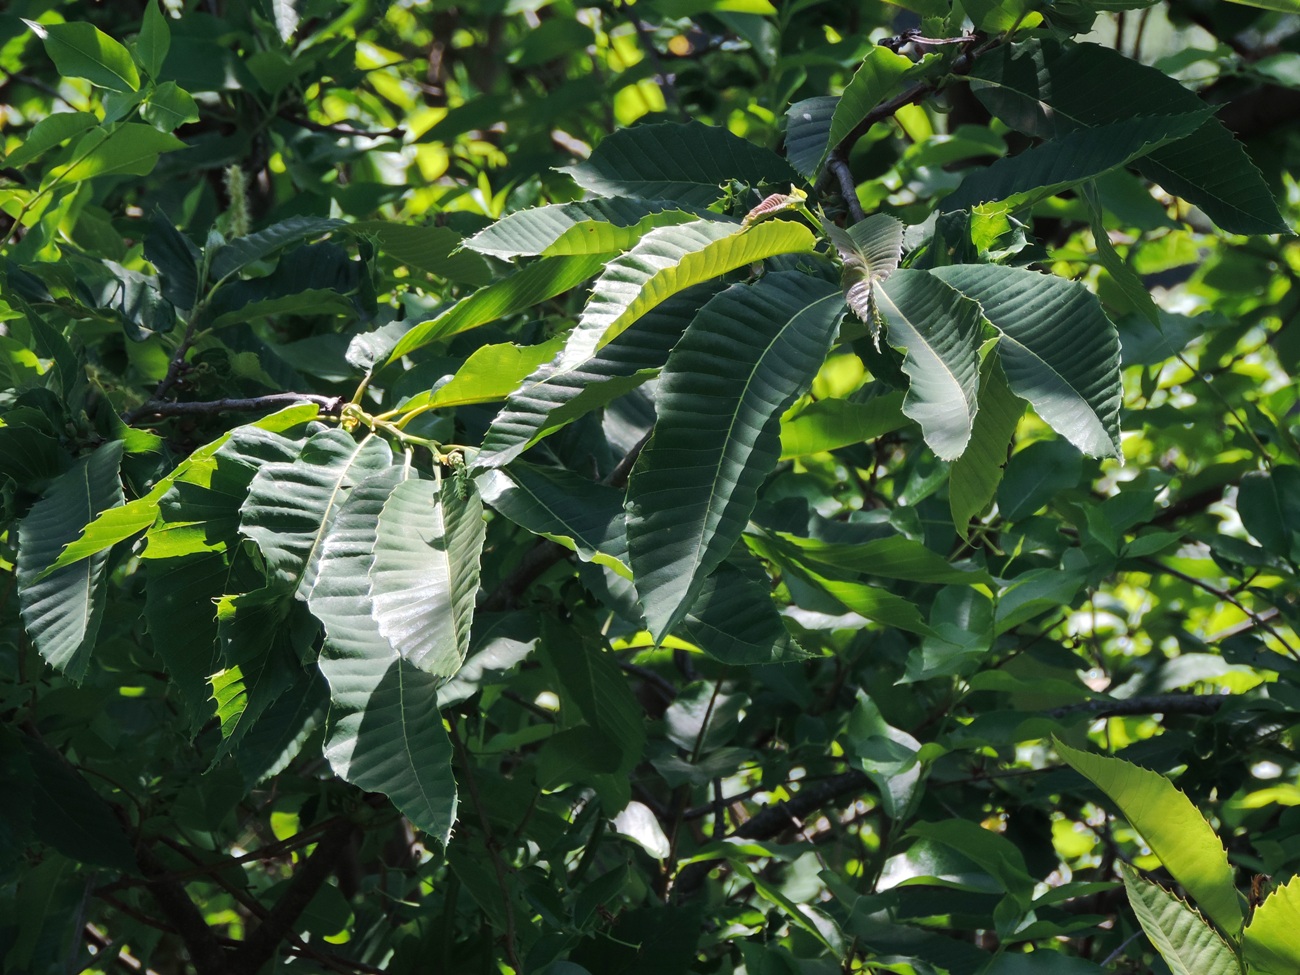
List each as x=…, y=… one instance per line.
x=1071, y=158
x=686, y=162
x=829, y=424
x=593, y=690
x=892, y=557
x=155, y=39
x=938, y=329
x=201, y=511
x=491, y=373
x=71, y=816
x=1046, y=88
x=592, y=227
x=562, y=506
x=807, y=133
x=62, y=610
x=1269, y=940
x=1268, y=503
x=290, y=506
x=255, y=631
x=1124, y=276
x=750, y=351
x=49, y=132
x=876, y=78
x=127, y=148
x=523, y=289
x=118, y=524
x=993, y=852
x=176, y=258
x=735, y=621
x=229, y=258
x=1185, y=941
x=1280, y=6
x=669, y=260
x=552, y=397
x=1173, y=828
x=277, y=738
x=425, y=571
x=433, y=250
x=1057, y=348
x=85, y=51
x=182, y=624
x=169, y=107
x=973, y=477
x=385, y=733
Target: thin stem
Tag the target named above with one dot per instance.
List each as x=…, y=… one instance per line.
x=1226, y=597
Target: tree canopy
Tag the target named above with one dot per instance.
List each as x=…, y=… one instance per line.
x=685, y=486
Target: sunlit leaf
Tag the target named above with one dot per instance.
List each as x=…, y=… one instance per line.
x=1184, y=939
x=1173, y=828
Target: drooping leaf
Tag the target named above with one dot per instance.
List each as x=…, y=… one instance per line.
x=973, y=477
x=553, y=397
x=599, y=226
x=686, y=162
x=748, y=353
x=182, y=625
x=521, y=290
x=562, y=506
x=385, y=732
x=275, y=740
x=829, y=424
x=938, y=329
x=1269, y=940
x=1057, y=348
x=177, y=261
x=1185, y=941
x=290, y=506
x=669, y=260
x=599, y=695
x=425, y=571
x=1173, y=828
x=62, y=611
x=259, y=662
x=1122, y=274
x=81, y=50
x=1047, y=88
x=1071, y=158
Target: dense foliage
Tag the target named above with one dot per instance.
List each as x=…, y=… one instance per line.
x=693, y=486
